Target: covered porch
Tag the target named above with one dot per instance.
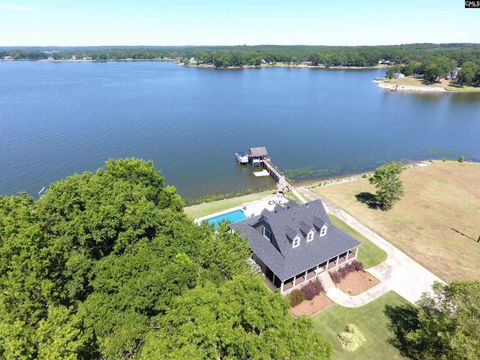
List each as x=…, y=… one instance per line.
x=303, y=278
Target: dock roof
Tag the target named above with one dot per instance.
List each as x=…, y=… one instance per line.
x=258, y=151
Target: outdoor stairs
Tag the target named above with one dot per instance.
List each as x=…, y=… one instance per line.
x=326, y=281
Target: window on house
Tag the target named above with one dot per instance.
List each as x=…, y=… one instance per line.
x=296, y=241
x=267, y=234
x=310, y=236
x=323, y=230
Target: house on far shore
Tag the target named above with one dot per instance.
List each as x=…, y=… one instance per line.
x=294, y=245
x=453, y=75
x=398, y=75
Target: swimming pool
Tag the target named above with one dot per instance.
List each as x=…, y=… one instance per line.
x=232, y=216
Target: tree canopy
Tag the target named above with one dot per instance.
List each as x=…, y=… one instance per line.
x=386, y=180
x=442, y=326
x=107, y=265
x=225, y=56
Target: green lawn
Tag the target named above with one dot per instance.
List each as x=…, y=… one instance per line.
x=370, y=320
x=369, y=254
x=200, y=210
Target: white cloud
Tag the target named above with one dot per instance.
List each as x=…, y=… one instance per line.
x=16, y=8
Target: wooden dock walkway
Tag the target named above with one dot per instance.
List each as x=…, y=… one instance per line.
x=282, y=182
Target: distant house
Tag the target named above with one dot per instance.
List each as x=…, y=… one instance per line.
x=384, y=62
x=398, y=75
x=295, y=244
x=8, y=58
x=453, y=75
x=263, y=62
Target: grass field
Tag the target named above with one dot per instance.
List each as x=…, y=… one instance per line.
x=200, y=210
x=446, y=84
x=369, y=254
x=436, y=222
x=371, y=321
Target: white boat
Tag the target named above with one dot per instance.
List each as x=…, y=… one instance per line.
x=242, y=158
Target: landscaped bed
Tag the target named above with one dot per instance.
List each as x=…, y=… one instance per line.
x=310, y=307
x=357, y=282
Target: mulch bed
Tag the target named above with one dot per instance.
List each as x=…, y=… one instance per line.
x=357, y=282
x=310, y=307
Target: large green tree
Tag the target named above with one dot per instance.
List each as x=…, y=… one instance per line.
x=442, y=326
x=386, y=180
x=469, y=73
x=98, y=266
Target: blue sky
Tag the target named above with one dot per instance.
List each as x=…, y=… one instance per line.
x=229, y=22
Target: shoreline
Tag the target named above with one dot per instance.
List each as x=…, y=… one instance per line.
x=210, y=66
x=414, y=85
x=319, y=182
x=410, y=88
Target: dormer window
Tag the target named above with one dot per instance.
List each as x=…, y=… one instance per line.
x=296, y=241
x=323, y=230
x=267, y=234
x=310, y=235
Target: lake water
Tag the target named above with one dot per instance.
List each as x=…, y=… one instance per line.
x=61, y=118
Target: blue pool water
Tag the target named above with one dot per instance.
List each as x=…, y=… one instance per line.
x=233, y=217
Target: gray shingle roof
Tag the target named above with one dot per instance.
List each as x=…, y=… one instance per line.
x=258, y=151
x=278, y=253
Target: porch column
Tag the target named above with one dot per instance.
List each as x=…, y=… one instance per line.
x=328, y=262
x=306, y=276
x=356, y=251
x=294, y=280
x=338, y=258
x=273, y=281
x=281, y=288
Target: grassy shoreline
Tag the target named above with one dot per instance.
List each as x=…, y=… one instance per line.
x=436, y=220
x=418, y=85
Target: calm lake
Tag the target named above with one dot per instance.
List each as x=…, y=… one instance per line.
x=61, y=118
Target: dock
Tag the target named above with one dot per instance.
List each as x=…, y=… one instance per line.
x=258, y=156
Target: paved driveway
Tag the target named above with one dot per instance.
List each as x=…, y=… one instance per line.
x=399, y=272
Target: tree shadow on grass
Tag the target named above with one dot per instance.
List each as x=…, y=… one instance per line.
x=369, y=199
x=403, y=320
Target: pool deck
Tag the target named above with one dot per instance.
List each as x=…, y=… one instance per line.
x=250, y=209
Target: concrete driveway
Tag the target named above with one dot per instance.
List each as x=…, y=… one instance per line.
x=399, y=272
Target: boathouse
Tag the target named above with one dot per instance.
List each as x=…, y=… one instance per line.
x=257, y=154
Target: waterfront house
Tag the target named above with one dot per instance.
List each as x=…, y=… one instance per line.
x=295, y=244
x=398, y=75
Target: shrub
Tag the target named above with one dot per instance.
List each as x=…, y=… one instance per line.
x=461, y=159
x=345, y=270
x=351, y=338
x=336, y=277
x=357, y=265
x=312, y=289
x=296, y=297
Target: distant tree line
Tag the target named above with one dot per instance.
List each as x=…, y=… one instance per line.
x=435, y=68
x=224, y=56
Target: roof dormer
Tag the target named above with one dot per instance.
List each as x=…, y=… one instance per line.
x=310, y=235
x=296, y=241
x=323, y=230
